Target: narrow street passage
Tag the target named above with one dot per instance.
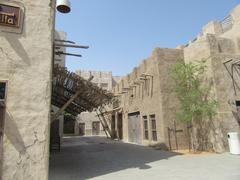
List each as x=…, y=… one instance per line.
x=103, y=159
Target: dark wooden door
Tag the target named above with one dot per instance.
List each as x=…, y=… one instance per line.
x=81, y=129
x=54, y=136
x=96, y=128
x=119, y=124
x=2, y=120
x=134, y=128
x=2, y=114
x=113, y=127
x=69, y=125
x=113, y=124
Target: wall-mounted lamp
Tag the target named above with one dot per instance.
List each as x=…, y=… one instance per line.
x=63, y=6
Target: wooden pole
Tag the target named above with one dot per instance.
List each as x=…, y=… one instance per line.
x=60, y=111
x=103, y=125
x=169, y=138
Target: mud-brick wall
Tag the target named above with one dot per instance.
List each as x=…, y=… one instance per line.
x=26, y=65
x=224, y=91
x=167, y=59
x=157, y=99
x=216, y=48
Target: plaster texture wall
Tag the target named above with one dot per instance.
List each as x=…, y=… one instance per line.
x=60, y=59
x=26, y=65
x=88, y=118
x=148, y=91
x=104, y=80
x=101, y=78
x=218, y=42
x=216, y=46
x=54, y=109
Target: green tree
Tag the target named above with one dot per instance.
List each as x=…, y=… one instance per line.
x=193, y=96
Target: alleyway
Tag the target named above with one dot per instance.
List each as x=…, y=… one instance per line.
x=102, y=159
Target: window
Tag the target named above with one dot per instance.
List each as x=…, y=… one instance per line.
x=148, y=86
x=154, y=127
x=237, y=103
x=145, y=127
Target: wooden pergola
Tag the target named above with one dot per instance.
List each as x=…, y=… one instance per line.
x=73, y=94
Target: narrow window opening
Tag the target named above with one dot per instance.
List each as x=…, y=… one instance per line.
x=145, y=127
x=154, y=127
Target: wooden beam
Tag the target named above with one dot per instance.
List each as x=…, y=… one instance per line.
x=60, y=111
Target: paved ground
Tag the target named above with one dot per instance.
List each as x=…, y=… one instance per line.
x=101, y=159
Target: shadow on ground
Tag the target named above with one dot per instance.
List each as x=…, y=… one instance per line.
x=89, y=157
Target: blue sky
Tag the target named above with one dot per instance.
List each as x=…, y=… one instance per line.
x=121, y=33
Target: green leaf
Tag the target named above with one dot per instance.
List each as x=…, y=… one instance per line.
x=192, y=93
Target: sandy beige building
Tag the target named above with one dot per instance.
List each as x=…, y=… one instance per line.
x=88, y=123
x=32, y=81
x=218, y=44
x=30, y=84
x=26, y=65
x=147, y=103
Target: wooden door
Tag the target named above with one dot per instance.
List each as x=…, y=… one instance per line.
x=69, y=125
x=134, y=128
x=55, y=141
x=2, y=113
x=96, y=128
x=119, y=125
x=2, y=120
x=81, y=129
x=113, y=124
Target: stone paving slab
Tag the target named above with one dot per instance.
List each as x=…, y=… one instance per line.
x=99, y=158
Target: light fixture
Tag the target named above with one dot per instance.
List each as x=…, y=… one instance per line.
x=63, y=6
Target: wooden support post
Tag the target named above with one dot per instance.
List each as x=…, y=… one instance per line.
x=175, y=134
x=105, y=122
x=60, y=111
x=169, y=138
x=103, y=125
x=189, y=126
x=2, y=120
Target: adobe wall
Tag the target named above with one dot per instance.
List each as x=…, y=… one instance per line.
x=26, y=65
x=88, y=118
x=100, y=78
x=103, y=79
x=217, y=44
x=60, y=59
x=152, y=96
